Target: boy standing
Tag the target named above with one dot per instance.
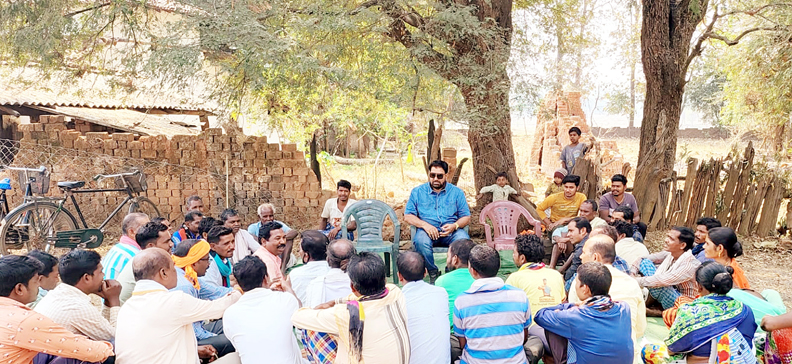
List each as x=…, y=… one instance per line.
x=575, y=149
x=500, y=190
x=598, y=329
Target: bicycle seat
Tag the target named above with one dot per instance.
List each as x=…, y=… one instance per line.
x=71, y=184
x=5, y=184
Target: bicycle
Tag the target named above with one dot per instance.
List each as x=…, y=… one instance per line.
x=45, y=223
x=34, y=180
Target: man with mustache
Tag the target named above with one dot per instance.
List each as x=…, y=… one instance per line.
x=273, y=243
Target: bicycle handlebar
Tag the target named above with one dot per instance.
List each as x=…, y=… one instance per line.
x=103, y=176
x=41, y=169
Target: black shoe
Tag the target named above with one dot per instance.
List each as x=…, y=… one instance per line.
x=433, y=274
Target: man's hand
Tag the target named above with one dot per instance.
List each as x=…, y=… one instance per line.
x=110, y=291
x=334, y=232
x=562, y=244
x=325, y=305
x=448, y=229
x=479, y=196
x=563, y=221
x=207, y=352
x=431, y=231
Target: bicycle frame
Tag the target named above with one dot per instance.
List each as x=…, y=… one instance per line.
x=118, y=208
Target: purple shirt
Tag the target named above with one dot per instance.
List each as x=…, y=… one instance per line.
x=608, y=203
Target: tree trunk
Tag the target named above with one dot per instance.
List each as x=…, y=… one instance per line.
x=665, y=44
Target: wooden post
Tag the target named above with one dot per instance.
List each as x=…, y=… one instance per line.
x=714, y=188
x=728, y=191
x=690, y=177
x=738, y=203
x=699, y=193
x=756, y=195
x=769, y=218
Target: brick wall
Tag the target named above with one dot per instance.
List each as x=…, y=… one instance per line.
x=235, y=170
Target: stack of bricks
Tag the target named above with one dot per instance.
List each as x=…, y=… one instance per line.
x=557, y=114
x=449, y=155
x=237, y=171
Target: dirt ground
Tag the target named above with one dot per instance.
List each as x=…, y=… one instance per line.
x=765, y=268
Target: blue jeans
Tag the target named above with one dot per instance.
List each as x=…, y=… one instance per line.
x=423, y=244
x=328, y=227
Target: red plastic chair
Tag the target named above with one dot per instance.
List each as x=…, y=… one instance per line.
x=504, y=216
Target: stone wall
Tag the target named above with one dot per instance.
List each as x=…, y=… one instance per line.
x=226, y=169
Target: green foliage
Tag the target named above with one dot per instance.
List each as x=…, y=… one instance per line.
x=704, y=91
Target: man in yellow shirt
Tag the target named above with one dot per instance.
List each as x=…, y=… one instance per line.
x=563, y=205
x=543, y=286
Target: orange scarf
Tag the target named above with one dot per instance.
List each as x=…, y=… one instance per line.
x=197, y=251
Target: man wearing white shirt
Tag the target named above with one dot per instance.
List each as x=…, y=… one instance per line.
x=221, y=241
x=155, y=325
x=335, y=283
x=259, y=324
x=313, y=251
x=244, y=243
x=333, y=213
x=628, y=248
x=427, y=310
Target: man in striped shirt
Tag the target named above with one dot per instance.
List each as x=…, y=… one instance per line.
x=491, y=318
x=126, y=248
x=676, y=273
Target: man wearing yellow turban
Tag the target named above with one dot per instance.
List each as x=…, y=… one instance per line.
x=192, y=260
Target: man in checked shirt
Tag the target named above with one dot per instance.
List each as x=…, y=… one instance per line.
x=670, y=273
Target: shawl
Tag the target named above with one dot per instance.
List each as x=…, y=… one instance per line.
x=703, y=320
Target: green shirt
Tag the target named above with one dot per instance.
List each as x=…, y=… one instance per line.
x=454, y=282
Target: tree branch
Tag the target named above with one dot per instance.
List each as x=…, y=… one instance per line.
x=697, y=48
x=78, y=12
x=736, y=40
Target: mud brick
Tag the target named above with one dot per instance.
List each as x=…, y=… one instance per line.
x=287, y=172
x=225, y=147
x=53, y=135
x=180, y=138
x=122, y=144
x=300, y=171
x=273, y=147
x=235, y=147
x=289, y=147
x=314, y=203
x=274, y=155
x=214, y=131
x=68, y=143
x=299, y=155
x=314, y=186
x=174, y=201
x=277, y=186
x=27, y=127
x=302, y=179
x=135, y=145
x=249, y=186
x=222, y=139
x=97, y=135
x=288, y=155
x=288, y=202
x=126, y=137
x=54, y=127
x=276, y=171
x=312, y=195
x=39, y=135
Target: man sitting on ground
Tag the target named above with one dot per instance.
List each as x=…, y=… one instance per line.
x=192, y=260
x=626, y=247
x=266, y=213
x=492, y=318
x=676, y=274
x=313, y=251
x=624, y=288
x=625, y=213
x=579, y=229
x=194, y=202
x=335, y=283
x=244, y=243
x=426, y=312
x=458, y=278
x=190, y=229
x=333, y=213
x=563, y=206
x=618, y=197
x=543, y=286
x=259, y=324
x=26, y=334
x=384, y=337
x=151, y=235
x=588, y=209
x=597, y=329
x=155, y=325
x=49, y=274
x=122, y=252
x=439, y=212
x=69, y=304
x=273, y=243
x=222, y=244
x=703, y=226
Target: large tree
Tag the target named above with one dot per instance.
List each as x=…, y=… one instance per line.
x=668, y=50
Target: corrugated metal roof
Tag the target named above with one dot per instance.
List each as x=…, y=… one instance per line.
x=15, y=96
x=134, y=121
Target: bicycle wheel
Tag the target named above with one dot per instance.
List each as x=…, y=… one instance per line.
x=31, y=225
x=144, y=205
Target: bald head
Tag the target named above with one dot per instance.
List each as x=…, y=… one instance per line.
x=338, y=253
x=603, y=246
x=411, y=266
x=148, y=264
x=132, y=222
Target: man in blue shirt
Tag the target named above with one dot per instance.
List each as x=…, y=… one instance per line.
x=596, y=331
x=439, y=211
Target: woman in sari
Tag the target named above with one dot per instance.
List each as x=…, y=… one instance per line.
x=778, y=347
x=714, y=328
x=722, y=246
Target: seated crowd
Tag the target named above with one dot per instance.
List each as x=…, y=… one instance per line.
x=212, y=291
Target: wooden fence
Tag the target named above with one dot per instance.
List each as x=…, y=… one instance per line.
x=743, y=194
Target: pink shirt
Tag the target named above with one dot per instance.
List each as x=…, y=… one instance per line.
x=129, y=241
x=272, y=261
